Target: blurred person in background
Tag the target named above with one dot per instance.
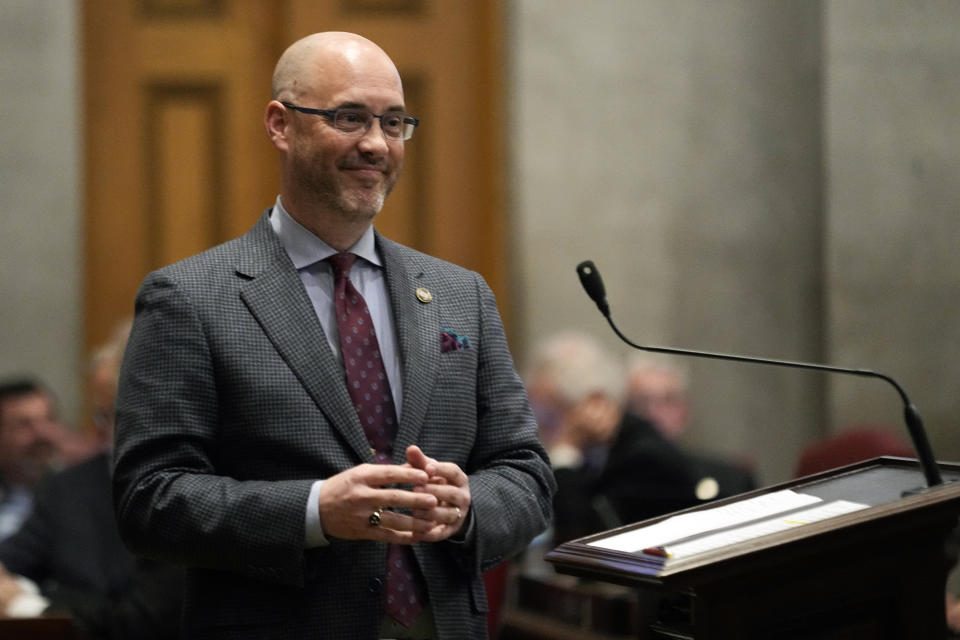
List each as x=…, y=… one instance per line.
x=658, y=390
x=29, y=427
x=612, y=467
x=68, y=556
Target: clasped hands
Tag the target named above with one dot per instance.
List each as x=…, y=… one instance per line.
x=438, y=502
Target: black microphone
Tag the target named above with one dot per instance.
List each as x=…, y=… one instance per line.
x=593, y=284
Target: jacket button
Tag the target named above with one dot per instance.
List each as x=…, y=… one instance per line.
x=375, y=585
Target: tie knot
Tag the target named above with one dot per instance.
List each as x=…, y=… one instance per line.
x=341, y=263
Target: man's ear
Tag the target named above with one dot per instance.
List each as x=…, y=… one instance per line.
x=277, y=123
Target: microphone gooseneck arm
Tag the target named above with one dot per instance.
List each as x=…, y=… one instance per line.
x=593, y=284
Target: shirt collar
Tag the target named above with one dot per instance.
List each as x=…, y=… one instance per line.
x=305, y=249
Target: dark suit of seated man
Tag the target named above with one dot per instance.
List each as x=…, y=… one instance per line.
x=70, y=548
x=658, y=390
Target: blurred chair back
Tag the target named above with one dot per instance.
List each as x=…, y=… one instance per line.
x=852, y=445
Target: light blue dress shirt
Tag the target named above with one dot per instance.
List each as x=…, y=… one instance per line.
x=309, y=254
x=16, y=503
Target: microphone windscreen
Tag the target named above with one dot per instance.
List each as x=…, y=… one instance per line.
x=593, y=284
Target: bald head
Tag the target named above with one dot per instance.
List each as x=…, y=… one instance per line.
x=334, y=181
x=308, y=63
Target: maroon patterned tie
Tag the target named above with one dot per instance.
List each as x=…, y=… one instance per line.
x=369, y=389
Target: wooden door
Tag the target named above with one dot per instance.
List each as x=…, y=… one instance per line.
x=177, y=160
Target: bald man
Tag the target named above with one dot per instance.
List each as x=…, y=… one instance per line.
x=302, y=403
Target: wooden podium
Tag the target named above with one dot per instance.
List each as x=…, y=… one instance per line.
x=875, y=573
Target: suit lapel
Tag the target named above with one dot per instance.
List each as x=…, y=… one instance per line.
x=276, y=298
x=418, y=333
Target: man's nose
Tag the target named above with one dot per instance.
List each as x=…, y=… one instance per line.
x=374, y=139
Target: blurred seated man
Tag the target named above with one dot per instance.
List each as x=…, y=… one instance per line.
x=658, y=391
x=28, y=432
x=612, y=467
x=68, y=556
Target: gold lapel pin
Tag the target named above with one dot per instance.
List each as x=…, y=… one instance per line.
x=423, y=295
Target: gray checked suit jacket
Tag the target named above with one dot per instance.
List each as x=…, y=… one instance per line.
x=231, y=404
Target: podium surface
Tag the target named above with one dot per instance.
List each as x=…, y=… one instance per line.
x=874, y=572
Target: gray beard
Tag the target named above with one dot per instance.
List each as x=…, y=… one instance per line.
x=353, y=206
x=359, y=207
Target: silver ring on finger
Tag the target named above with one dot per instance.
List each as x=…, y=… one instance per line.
x=375, y=518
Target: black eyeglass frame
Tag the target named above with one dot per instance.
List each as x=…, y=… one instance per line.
x=331, y=114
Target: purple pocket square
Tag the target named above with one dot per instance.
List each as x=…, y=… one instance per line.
x=449, y=341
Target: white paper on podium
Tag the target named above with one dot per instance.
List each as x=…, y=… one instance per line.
x=697, y=523
x=765, y=527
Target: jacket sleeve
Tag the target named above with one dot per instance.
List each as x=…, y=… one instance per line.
x=511, y=482
x=171, y=503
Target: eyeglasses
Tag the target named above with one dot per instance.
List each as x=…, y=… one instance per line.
x=396, y=125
